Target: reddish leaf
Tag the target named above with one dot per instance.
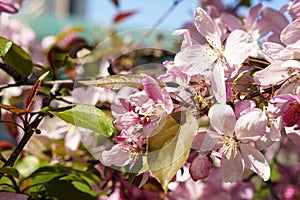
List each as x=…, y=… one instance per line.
x=123, y=15
x=13, y=109
x=33, y=91
x=31, y=94
x=11, y=127
x=51, y=59
x=5, y=145
x=115, y=2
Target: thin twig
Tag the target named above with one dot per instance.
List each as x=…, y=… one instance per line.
x=271, y=189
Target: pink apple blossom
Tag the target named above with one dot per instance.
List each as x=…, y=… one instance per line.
x=212, y=60
x=294, y=9
x=138, y=116
x=235, y=138
x=10, y=6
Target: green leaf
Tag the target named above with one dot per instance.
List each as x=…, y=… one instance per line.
x=118, y=81
x=168, y=149
x=10, y=171
x=65, y=190
x=5, y=46
x=18, y=59
x=27, y=165
x=86, y=116
x=77, y=178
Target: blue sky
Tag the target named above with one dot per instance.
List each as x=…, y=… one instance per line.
x=102, y=12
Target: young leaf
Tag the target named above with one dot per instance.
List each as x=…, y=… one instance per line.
x=123, y=15
x=86, y=116
x=34, y=90
x=5, y=145
x=168, y=150
x=10, y=171
x=67, y=32
x=17, y=58
x=13, y=109
x=115, y=2
x=5, y=46
x=115, y=82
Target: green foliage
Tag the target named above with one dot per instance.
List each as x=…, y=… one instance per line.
x=86, y=116
x=64, y=190
x=169, y=149
x=5, y=46
x=59, y=182
x=16, y=57
x=27, y=165
x=10, y=171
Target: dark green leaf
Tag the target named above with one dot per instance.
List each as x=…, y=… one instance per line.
x=246, y=3
x=5, y=46
x=52, y=170
x=64, y=190
x=86, y=116
x=77, y=178
x=17, y=58
x=10, y=171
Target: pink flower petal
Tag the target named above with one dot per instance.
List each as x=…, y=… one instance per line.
x=115, y=156
x=199, y=56
x=255, y=161
x=8, y=7
x=233, y=168
x=276, y=20
x=293, y=134
x=290, y=34
x=271, y=51
x=276, y=72
x=251, y=126
x=152, y=88
x=187, y=37
x=240, y=106
x=207, y=28
x=205, y=141
x=218, y=83
x=238, y=47
x=222, y=119
x=252, y=15
x=231, y=21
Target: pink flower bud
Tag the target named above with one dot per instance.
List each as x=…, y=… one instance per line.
x=290, y=192
x=199, y=168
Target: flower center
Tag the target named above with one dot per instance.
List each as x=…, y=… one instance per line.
x=229, y=147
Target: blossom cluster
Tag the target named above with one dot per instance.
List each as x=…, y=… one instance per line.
x=221, y=120
x=241, y=76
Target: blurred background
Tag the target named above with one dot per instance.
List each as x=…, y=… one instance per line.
x=48, y=17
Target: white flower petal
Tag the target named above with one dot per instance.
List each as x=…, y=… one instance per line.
x=238, y=47
x=207, y=28
x=233, y=168
x=218, y=83
x=199, y=56
x=251, y=125
x=290, y=34
x=255, y=161
x=115, y=156
x=222, y=119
